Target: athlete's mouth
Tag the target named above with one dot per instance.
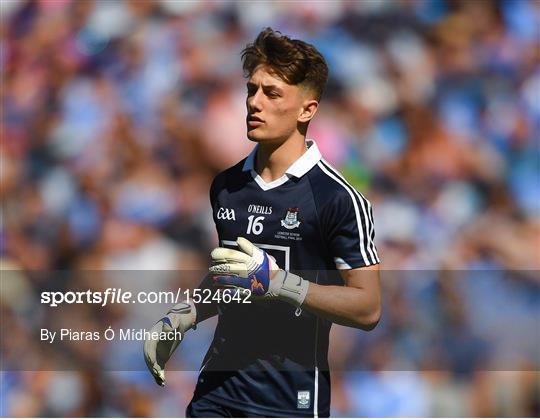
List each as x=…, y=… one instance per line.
x=253, y=120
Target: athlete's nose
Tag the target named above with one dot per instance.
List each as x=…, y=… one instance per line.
x=254, y=102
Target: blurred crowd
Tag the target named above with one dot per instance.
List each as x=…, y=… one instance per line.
x=116, y=116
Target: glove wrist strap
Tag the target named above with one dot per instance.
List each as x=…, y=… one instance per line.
x=293, y=289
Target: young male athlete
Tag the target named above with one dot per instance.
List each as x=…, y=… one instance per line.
x=296, y=236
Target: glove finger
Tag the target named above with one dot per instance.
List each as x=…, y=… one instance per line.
x=150, y=353
x=159, y=375
x=150, y=358
x=230, y=268
x=250, y=249
x=156, y=371
x=165, y=349
x=246, y=246
x=226, y=254
x=150, y=346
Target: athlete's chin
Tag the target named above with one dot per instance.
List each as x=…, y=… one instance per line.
x=261, y=137
x=255, y=136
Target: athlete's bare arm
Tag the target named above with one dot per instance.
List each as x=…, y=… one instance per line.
x=357, y=304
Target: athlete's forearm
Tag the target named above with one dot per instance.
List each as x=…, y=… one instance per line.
x=209, y=309
x=350, y=306
x=205, y=311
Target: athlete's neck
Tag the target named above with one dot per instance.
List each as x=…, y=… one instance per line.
x=273, y=160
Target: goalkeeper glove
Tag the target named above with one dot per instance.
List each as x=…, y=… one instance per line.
x=253, y=269
x=157, y=352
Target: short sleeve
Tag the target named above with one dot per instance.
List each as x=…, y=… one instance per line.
x=350, y=230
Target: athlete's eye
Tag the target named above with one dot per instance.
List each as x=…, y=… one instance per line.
x=251, y=90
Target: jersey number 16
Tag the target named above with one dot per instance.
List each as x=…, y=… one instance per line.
x=255, y=225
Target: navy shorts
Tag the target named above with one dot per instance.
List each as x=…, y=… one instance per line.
x=205, y=408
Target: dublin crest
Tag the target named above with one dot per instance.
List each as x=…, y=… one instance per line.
x=291, y=219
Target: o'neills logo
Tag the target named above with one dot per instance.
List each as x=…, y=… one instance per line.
x=255, y=208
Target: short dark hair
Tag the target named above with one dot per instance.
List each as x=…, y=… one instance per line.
x=295, y=62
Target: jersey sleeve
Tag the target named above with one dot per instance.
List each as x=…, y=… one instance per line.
x=350, y=230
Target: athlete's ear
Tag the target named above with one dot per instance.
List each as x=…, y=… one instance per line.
x=308, y=110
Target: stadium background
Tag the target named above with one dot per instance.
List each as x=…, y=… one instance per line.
x=116, y=116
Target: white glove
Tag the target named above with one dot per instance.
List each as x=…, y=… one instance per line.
x=253, y=269
x=157, y=352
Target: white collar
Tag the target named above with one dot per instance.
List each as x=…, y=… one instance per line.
x=299, y=168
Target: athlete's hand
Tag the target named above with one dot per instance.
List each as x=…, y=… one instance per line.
x=157, y=352
x=252, y=269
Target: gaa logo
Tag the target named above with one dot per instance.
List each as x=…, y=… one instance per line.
x=226, y=214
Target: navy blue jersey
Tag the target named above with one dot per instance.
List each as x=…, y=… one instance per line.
x=268, y=357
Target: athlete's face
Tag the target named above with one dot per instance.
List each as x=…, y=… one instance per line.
x=275, y=108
